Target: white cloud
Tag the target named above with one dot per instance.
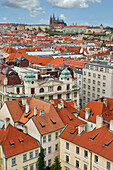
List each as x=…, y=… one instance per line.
x=32, y=6
x=72, y=3
x=4, y=19
x=43, y=21
x=62, y=16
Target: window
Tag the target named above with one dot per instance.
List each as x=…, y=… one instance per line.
x=79, y=82
x=45, y=151
x=84, y=92
x=98, y=76
x=96, y=159
x=67, y=95
x=93, y=94
x=18, y=90
x=42, y=90
x=108, y=165
x=86, y=154
x=75, y=94
x=36, y=166
x=50, y=88
x=67, y=145
x=56, y=147
x=25, y=168
x=77, y=150
x=36, y=153
x=67, y=159
x=93, y=88
x=24, y=157
x=96, y=68
x=89, y=74
x=44, y=139
x=104, y=77
x=84, y=98
x=101, y=69
x=98, y=83
x=88, y=93
x=84, y=79
x=85, y=73
x=91, y=67
x=13, y=161
x=50, y=97
x=49, y=150
x=89, y=81
x=84, y=85
x=49, y=138
x=59, y=96
x=31, y=155
x=32, y=90
x=59, y=88
x=104, y=84
x=93, y=81
x=77, y=164
x=56, y=135
x=98, y=96
x=103, y=91
x=85, y=167
x=98, y=89
x=31, y=167
x=49, y=162
x=88, y=100
x=68, y=86
x=107, y=70
x=88, y=87
x=94, y=75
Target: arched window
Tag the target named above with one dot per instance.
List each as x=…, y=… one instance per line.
x=42, y=90
x=68, y=86
x=59, y=88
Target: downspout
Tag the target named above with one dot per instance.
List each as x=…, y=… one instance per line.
x=6, y=163
x=90, y=160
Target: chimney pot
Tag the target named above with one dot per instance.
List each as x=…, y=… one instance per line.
x=7, y=121
x=99, y=121
x=35, y=111
x=24, y=101
x=111, y=125
x=27, y=108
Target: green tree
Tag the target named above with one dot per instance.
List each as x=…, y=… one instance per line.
x=56, y=165
x=41, y=160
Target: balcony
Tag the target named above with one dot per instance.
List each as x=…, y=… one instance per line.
x=15, y=96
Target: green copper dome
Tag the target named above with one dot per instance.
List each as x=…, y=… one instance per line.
x=65, y=74
x=30, y=77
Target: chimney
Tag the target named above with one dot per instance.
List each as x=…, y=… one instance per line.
x=105, y=102
x=24, y=101
x=111, y=125
x=87, y=113
x=52, y=102
x=7, y=121
x=99, y=121
x=62, y=103
x=81, y=128
x=35, y=111
x=27, y=108
x=59, y=106
x=25, y=129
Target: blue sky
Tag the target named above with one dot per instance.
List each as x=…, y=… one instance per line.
x=84, y=12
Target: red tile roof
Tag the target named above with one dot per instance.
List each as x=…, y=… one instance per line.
x=96, y=108
x=66, y=113
x=12, y=136
x=104, y=136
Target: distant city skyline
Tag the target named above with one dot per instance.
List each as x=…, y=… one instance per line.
x=84, y=12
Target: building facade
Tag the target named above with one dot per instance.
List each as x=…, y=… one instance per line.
x=97, y=81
